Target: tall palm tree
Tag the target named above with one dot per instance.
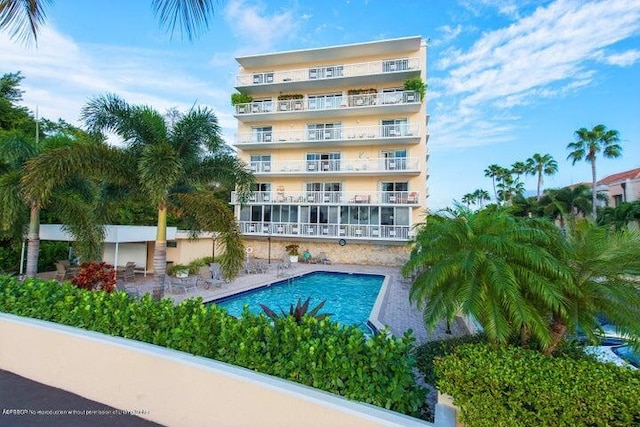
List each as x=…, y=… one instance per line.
x=177, y=166
x=541, y=165
x=23, y=18
x=480, y=196
x=495, y=172
x=489, y=265
x=519, y=168
x=73, y=201
x=509, y=187
x=467, y=199
x=588, y=144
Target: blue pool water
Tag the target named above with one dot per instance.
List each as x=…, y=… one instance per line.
x=350, y=297
x=626, y=352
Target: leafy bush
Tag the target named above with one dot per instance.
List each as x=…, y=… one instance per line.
x=240, y=98
x=318, y=353
x=298, y=311
x=417, y=85
x=515, y=387
x=95, y=276
x=427, y=353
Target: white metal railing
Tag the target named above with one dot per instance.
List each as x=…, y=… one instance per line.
x=332, y=197
x=386, y=164
x=329, y=102
x=341, y=231
x=329, y=72
x=330, y=134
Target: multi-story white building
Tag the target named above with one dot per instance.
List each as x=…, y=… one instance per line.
x=337, y=140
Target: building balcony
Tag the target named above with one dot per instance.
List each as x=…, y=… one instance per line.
x=394, y=198
x=363, y=73
x=326, y=231
x=328, y=167
x=331, y=137
x=330, y=106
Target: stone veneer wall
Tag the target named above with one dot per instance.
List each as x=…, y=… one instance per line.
x=352, y=253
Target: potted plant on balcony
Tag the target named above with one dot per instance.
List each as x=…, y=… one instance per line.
x=286, y=103
x=294, y=251
x=240, y=99
x=416, y=84
x=360, y=97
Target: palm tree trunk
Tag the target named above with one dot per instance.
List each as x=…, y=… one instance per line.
x=539, y=184
x=558, y=330
x=160, y=253
x=33, y=246
x=495, y=192
x=593, y=187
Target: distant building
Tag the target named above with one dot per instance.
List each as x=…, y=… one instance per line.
x=338, y=147
x=621, y=187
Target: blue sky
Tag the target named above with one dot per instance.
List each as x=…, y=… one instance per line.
x=507, y=78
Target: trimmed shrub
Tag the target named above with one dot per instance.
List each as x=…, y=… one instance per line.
x=95, y=276
x=516, y=387
x=318, y=353
x=427, y=353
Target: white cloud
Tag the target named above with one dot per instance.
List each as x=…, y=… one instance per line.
x=258, y=31
x=61, y=75
x=546, y=54
x=624, y=59
x=448, y=34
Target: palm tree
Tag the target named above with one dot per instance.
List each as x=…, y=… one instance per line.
x=519, y=168
x=467, y=199
x=23, y=18
x=178, y=167
x=495, y=172
x=541, y=165
x=572, y=202
x=480, y=196
x=598, y=258
x=509, y=187
x=588, y=144
x=491, y=266
x=73, y=201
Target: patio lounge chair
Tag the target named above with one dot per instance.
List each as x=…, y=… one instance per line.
x=173, y=285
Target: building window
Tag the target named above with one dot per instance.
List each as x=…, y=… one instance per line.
x=395, y=127
x=261, y=163
x=324, y=102
x=324, y=131
x=323, y=192
x=395, y=160
x=395, y=192
x=262, y=134
x=392, y=65
x=323, y=162
x=617, y=200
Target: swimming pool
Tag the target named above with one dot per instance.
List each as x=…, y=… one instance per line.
x=349, y=297
x=626, y=353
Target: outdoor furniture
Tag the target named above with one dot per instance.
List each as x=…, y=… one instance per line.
x=132, y=291
x=172, y=284
x=323, y=259
x=207, y=279
x=64, y=271
x=127, y=273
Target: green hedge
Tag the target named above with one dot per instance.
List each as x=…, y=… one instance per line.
x=516, y=387
x=430, y=351
x=320, y=354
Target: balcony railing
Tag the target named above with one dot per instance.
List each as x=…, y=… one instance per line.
x=388, y=164
x=329, y=72
x=332, y=197
x=394, y=131
x=330, y=102
x=340, y=231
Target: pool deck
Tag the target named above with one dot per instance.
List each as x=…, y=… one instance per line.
x=396, y=311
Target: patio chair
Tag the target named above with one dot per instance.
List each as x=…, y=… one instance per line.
x=173, y=285
x=128, y=273
x=64, y=271
x=323, y=259
x=207, y=279
x=132, y=291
